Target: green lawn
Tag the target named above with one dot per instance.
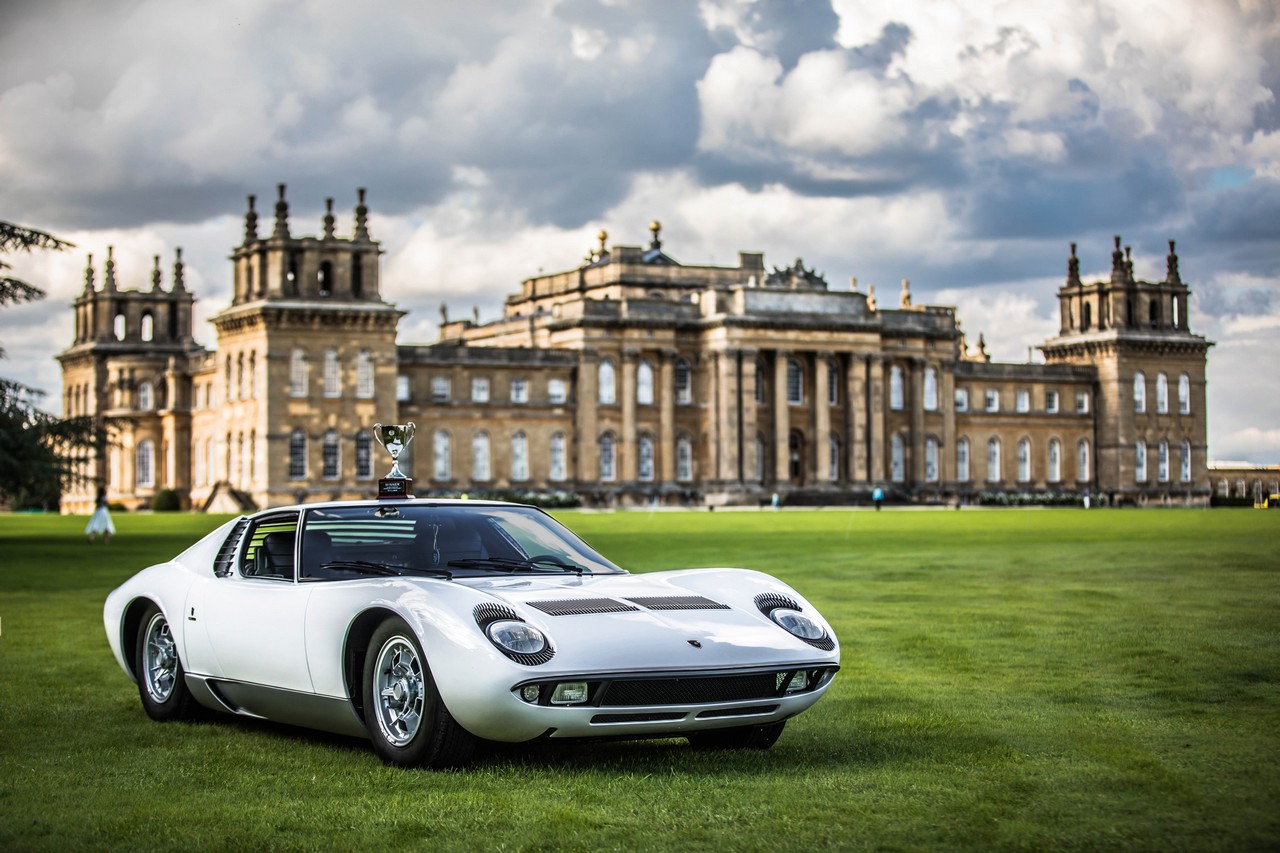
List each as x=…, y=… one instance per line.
x=1042, y=679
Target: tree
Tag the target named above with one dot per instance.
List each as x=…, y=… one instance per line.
x=38, y=451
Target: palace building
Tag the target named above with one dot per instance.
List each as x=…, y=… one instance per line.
x=630, y=379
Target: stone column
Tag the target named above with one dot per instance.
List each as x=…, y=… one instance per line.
x=875, y=390
x=666, y=391
x=856, y=417
x=729, y=437
x=947, y=401
x=820, y=457
x=588, y=448
x=916, y=403
x=749, y=416
x=626, y=447
x=781, y=419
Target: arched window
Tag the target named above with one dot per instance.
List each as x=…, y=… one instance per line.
x=608, y=390
x=298, y=373
x=332, y=373
x=930, y=389
x=210, y=461
x=559, y=470
x=795, y=382
x=993, y=460
x=896, y=396
x=608, y=460
x=759, y=382
x=330, y=456
x=931, y=460
x=1162, y=393
x=833, y=458
x=1184, y=394
x=229, y=376
x=145, y=398
x=1153, y=313
x=364, y=374
x=148, y=327
x=253, y=374
x=324, y=279
x=146, y=459
x=1185, y=462
x=684, y=459
x=962, y=460
x=833, y=383
x=253, y=456
x=1162, y=461
x=242, y=381
x=1024, y=460
x=1139, y=392
x=644, y=383
x=121, y=327
x=644, y=459
x=442, y=451
x=684, y=383
x=480, y=468
x=1140, y=462
x=364, y=456
x=1082, y=460
x=898, y=459
x=519, y=457
x=1055, y=460
x=297, y=455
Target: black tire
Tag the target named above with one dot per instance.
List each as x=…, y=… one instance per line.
x=162, y=684
x=740, y=737
x=407, y=722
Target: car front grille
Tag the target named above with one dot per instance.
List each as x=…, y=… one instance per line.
x=689, y=691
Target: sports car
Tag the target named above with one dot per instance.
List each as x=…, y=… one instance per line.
x=427, y=626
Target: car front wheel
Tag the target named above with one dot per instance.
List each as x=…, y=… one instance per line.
x=161, y=684
x=407, y=721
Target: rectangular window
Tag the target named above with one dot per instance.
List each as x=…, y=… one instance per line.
x=480, y=389
x=1023, y=400
x=441, y=389
x=519, y=390
x=962, y=399
x=402, y=389
x=993, y=400
x=1051, y=402
x=557, y=391
x=1082, y=402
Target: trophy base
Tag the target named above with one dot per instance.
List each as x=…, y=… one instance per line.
x=395, y=487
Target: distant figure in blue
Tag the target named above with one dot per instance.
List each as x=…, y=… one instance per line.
x=877, y=495
x=1086, y=498
x=775, y=501
x=101, y=520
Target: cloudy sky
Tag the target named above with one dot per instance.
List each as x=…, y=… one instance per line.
x=961, y=145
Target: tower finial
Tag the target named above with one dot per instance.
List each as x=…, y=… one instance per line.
x=328, y=219
x=179, y=269
x=282, y=215
x=905, y=299
x=655, y=228
x=109, y=271
x=88, y=274
x=1171, y=275
x=1117, y=264
x=251, y=223
x=362, y=216
x=155, y=273
x=1073, y=267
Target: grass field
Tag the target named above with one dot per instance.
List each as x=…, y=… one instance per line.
x=1019, y=679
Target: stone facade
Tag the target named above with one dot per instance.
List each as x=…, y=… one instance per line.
x=631, y=379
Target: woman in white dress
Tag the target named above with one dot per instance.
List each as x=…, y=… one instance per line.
x=100, y=522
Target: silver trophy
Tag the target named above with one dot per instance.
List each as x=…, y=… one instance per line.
x=395, y=438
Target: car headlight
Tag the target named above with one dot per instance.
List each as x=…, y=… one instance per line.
x=795, y=622
x=518, y=638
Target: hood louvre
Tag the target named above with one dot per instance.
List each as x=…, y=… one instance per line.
x=581, y=606
x=677, y=602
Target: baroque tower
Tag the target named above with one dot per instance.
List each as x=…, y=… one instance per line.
x=1150, y=424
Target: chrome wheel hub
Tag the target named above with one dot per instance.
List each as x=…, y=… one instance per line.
x=399, y=694
x=159, y=659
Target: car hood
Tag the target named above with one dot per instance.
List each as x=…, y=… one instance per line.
x=703, y=618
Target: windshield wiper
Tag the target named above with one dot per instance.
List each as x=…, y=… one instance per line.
x=383, y=570
x=515, y=565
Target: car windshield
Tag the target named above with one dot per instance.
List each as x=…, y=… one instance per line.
x=440, y=540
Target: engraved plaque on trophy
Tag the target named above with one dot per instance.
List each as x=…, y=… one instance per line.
x=395, y=438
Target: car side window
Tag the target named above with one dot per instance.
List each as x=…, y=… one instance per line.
x=269, y=548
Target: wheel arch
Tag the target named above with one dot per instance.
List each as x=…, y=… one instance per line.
x=130, y=624
x=353, y=653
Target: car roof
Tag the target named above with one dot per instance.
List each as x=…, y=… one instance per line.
x=397, y=502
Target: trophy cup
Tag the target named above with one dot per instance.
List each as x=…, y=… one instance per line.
x=395, y=438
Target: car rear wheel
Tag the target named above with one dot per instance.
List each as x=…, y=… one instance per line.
x=739, y=737
x=407, y=721
x=161, y=683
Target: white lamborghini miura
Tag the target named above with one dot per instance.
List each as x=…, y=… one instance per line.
x=426, y=625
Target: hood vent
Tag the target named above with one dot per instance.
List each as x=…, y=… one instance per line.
x=581, y=606
x=678, y=602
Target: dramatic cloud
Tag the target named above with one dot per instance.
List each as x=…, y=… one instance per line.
x=961, y=145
